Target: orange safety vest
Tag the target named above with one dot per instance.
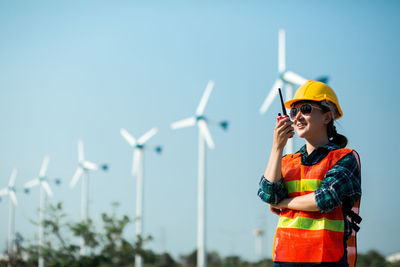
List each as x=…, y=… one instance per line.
x=303, y=236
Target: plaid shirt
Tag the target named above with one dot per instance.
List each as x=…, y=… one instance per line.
x=341, y=184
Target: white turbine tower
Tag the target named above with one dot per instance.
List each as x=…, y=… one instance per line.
x=258, y=233
x=287, y=79
x=10, y=191
x=83, y=169
x=137, y=172
x=204, y=137
x=44, y=189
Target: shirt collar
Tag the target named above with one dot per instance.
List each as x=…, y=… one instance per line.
x=328, y=147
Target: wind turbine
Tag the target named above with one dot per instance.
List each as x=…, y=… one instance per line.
x=137, y=171
x=10, y=191
x=204, y=138
x=44, y=189
x=287, y=79
x=83, y=169
x=258, y=233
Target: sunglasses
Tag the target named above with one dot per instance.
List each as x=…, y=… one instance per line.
x=304, y=109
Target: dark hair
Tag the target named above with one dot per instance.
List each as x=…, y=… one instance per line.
x=333, y=135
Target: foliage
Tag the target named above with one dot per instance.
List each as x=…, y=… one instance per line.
x=104, y=248
x=373, y=259
x=215, y=260
x=108, y=247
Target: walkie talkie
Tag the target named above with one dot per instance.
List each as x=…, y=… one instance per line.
x=280, y=116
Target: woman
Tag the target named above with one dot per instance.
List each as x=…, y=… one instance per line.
x=314, y=189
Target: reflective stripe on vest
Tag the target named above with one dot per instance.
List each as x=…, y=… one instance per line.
x=311, y=224
x=309, y=236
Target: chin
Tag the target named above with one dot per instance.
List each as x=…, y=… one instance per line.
x=301, y=133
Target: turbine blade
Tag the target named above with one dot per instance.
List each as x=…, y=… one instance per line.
x=128, y=137
x=294, y=78
x=43, y=169
x=32, y=183
x=76, y=177
x=144, y=138
x=206, y=133
x=13, y=198
x=184, y=123
x=135, y=162
x=47, y=188
x=289, y=91
x=3, y=191
x=281, y=51
x=271, y=96
x=204, y=98
x=12, y=178
x=81, y=155
x=90, y=165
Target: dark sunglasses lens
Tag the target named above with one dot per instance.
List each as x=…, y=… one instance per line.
x=293, y=113
x=306, y=109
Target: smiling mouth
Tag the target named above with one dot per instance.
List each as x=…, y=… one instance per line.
x=300, y=125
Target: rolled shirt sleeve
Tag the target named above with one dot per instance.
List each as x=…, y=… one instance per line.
x=272, y=193
x=342, y=182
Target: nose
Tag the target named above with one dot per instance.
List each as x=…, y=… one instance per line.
x=297, y=116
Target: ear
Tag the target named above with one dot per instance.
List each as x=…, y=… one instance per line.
x=327, y=117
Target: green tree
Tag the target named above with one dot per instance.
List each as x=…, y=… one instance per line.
x=371, y=259
x=105, y=248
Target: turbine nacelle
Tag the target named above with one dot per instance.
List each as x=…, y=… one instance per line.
x=12, y=188
x=139, y=146
x=198, y=118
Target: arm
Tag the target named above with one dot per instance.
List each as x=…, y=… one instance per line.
x=283, y=130
x=272, y=189
x=304, y=203
x=342, y=182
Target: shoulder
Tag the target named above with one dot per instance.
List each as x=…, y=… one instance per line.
x=349, y=160
x=343, y=153
x=347, y=154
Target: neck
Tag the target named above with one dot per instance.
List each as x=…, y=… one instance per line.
x=311, y=145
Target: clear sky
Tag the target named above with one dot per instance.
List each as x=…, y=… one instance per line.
x=84, y=69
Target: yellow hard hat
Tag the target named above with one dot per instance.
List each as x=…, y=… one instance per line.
x=316, y=91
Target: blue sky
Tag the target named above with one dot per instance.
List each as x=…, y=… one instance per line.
x=71, y=70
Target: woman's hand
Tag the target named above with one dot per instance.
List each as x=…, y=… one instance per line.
x=283, y=131
x=282, y=205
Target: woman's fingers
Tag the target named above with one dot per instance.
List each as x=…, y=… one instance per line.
x=283, y=121
x=285, y=126
x=283, y=131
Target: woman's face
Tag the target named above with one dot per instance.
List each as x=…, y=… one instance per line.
x=312, y=125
